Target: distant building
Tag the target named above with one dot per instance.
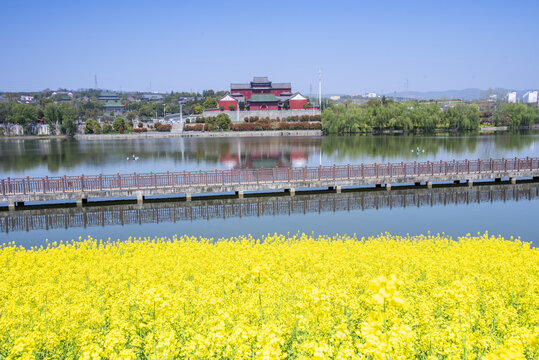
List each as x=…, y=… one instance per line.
x=152, y=97
x=511, y=97
x=530, y=97
x=186, y=99
x=370, y=95
x=108, y=96
x=262, y=94
x=115, y=106
x=130, y=98
x=492, y=98
x=335, y=98
x=26, y=99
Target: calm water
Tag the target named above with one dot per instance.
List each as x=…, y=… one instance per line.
x=322, y=214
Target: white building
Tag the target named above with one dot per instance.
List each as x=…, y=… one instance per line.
x=370, y=95
x=530, y=97
x=512, y=97
x=28, y=99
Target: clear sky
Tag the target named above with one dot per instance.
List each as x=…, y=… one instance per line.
x=193, y=45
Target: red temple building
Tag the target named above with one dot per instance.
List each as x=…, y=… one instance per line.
x=262, y=94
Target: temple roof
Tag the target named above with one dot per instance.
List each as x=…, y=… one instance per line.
x=263, y=98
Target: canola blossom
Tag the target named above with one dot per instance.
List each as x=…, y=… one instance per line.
x=280, y=297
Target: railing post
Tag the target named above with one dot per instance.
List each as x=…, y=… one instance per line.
x=334, y=172
x=504, y=161
x=518, y=164
x=155, y=180
x=43, y=185
x=305, y=173
x=135, y=180
x=457, y=168
x=362, y=171
x=23, y=187
x=468, y=165
x=348, y=171
x=3, y=187
x=64, y=183
x=9, y=184
x=119, y=182
x=389, y=169
x=479, y=165
x=82, y=182
x=273, y=173
x=257, y=174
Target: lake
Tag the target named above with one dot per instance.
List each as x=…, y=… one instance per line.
x=324, y=212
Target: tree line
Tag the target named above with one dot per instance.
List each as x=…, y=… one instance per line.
x=377, y=116
x=62, y=115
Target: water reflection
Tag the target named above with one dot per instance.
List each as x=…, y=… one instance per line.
x=178, y=211
x=40, y=157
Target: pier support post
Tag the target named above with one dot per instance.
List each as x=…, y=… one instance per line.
x=338, y=189
x=513, y=180
x=81, y=202
x=239, y=194
x=417, y=183
x=187, y=197
x=11, y=206
x=140, y=199
x=429, y=184
x=292, y=191
x=498, y=180
x=388, y=187
x=378, y=185
x=331, y=188
x=469, y=182
x=456, y=182
x=535, y=178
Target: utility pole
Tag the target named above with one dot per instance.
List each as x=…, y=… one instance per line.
x=320, y=89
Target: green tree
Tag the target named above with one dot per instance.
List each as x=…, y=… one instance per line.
x=210, y=103
x=223, y=121
x=118, y=123
x=198, y=109
x=68, y=116
x=5, y=111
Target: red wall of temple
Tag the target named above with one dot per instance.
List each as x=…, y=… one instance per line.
x=226, y=103
x=297, y=104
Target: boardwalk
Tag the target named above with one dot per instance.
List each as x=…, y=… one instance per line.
x=19, y=190
x=177, y=211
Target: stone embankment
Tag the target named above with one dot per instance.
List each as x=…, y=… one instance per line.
x=156, y=135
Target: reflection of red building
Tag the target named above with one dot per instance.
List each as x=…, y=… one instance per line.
x=263, y=160
x=262, y=94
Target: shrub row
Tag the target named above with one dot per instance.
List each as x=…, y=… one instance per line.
x=140, y=130
x=297, y=118
x=261, y=126
x=163, y=127
x=193, y=127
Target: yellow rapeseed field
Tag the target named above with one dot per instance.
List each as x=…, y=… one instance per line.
x=297, y=297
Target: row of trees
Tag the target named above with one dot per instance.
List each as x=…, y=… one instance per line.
x=62, y=115
x=516, y=115
x=384, y=115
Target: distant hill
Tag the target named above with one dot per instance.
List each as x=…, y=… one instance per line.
x=465, y=94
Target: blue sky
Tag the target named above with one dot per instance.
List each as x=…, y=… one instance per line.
x=194, y=45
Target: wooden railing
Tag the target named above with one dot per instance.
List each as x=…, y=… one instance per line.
x=71, y=184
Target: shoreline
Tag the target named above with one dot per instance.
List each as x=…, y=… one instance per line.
x=198, y=134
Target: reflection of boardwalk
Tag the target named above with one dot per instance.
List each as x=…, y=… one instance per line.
x=26, y=220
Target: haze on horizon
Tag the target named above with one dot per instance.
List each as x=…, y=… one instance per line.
x=190, y=46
